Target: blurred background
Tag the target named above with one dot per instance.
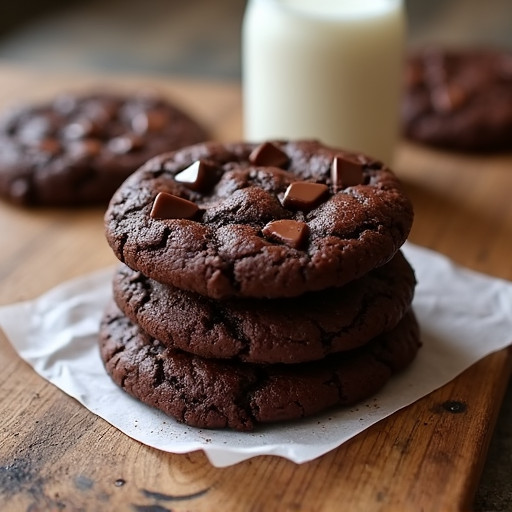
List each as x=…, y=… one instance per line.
x=201, y=39
x=196, y=38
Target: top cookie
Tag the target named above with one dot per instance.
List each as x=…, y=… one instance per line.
x=78, y=149
x=459, y=99
x=271, y=220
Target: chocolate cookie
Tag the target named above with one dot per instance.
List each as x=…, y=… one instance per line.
x=290, y=330
x=209, y=393
x=272, y=220
x=459, y=99
x=78, y=149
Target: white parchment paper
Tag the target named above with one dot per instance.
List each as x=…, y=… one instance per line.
x=463, y=317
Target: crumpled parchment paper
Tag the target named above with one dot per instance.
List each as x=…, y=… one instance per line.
x=463, y=315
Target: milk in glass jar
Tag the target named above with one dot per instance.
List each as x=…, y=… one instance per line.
x=324, y=69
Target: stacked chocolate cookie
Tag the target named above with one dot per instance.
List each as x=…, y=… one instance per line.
x=260, y=282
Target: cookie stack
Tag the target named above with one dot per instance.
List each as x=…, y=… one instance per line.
x=259, y=283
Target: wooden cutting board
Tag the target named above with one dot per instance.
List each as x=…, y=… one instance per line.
x=55, y=455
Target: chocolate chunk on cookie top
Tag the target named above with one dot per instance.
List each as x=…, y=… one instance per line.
x=290, y=232
x=167, y=206
x=78, y=149
x=304, y=195
x=272, y=220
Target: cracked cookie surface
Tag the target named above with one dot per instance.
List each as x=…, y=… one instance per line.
x=78, y=148
x=290, y=330
x=209, y=393
x=231, y=245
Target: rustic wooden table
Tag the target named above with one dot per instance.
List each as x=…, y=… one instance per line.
x=55, y=455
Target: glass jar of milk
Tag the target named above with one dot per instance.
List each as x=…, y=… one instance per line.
x=324, y=69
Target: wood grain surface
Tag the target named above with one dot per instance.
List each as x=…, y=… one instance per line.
x=55, y=455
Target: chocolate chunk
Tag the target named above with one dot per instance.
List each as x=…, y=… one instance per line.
x=125, y=144
x=304, y=195
x=79, y=129
x=289, y=232
x=49, y=146
x=167, y=206
x=200, y=176
x=268, y=154
x=86, y=148
x=448, y=98
x=149, y=122
x=102, y=111
x=345, y=173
